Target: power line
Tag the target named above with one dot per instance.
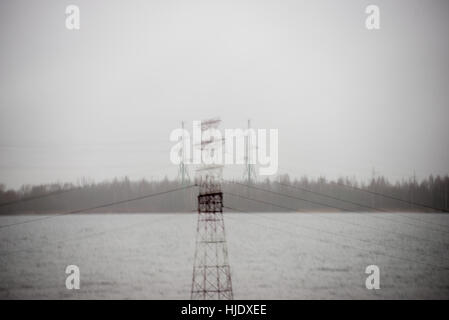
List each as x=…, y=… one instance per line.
x=391, y=197
x=97, y=207
x=385, y=195
x=348, y=237
x=328, y=218
x=290, y=196
x=340, y=235
x=58, y=192
x=4, y=204
x=330, y=197
x=365, y=206
x=261, y=201
x=335, y=207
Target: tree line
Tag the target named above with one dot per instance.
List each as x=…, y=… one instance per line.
x=285, y=194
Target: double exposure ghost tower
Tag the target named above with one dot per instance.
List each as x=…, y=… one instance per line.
x=211, y=271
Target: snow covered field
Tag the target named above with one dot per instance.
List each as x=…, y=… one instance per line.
x=272, y=256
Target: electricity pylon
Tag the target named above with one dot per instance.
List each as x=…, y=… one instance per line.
x=211, y=279
x=183, y=173
x=250, y=172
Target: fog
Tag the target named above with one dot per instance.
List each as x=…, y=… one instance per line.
x=101, y=102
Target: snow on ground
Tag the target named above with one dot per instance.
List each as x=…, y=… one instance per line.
x=272, y=256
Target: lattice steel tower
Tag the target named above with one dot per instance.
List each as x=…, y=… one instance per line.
x=183, y=173
x=211, y=271
x=249, y=173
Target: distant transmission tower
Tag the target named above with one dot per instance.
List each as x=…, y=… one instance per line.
x=211, y=278
x=183, y=173
x=249, y=173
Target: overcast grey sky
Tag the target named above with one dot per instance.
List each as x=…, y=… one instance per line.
x=101, y=102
